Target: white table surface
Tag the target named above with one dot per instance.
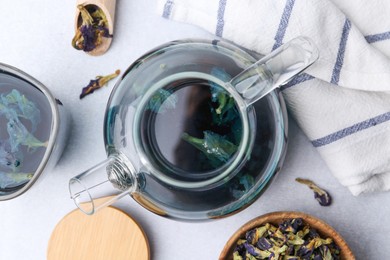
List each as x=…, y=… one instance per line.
x=35, y=36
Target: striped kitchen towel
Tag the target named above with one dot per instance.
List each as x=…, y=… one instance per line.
x=342, y=102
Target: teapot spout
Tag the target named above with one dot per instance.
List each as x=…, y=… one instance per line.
x=102, y=185
x=275, y=69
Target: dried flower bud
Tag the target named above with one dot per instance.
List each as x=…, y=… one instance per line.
x=264, y=243
x=93, y=27
x=320, y=195
x=97, y=83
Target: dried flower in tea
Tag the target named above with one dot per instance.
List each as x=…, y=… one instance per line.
x=14, y=107
x=219, y=135
x=225, y=112
x=19, y=135
x=242, y=185
x=22, y=107
x=8, y=180
x=94, y=26
x=162, y=101
x=292, y=239
x=8, y=158
x=216, y=147
x=97, y=83
x=321, y=195
x=17, y=110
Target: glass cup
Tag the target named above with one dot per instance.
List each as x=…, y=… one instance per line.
x=33, y=130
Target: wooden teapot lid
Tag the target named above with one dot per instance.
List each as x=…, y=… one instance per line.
x=108, y=234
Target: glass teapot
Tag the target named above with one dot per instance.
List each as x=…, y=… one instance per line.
x=193, y=130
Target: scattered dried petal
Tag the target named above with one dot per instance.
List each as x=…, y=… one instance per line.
x=97, y=83
x=321, y=195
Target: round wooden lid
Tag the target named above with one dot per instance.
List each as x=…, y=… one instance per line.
x=108, y=234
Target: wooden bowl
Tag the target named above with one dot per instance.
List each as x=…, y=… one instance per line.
x=276, y=218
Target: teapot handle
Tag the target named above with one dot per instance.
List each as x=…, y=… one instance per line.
x=275, y=69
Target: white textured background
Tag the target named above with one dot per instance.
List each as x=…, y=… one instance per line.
x=35, y=37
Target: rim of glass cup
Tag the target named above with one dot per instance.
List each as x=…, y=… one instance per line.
x=232, y=164
x=14, y=72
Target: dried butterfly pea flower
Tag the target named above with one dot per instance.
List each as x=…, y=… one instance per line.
x=321, y=195
x=19, y=135
x=15, y=105
x=293, y=239
x=94, y=26
x=216, y=147
x=291, y=225
x=97, y=83
x=255, y=234
x=225, y=111
x=252, y=250
x=264, y=243
x=161, y=101
x=13, y=179
x=8, y=158
x=16, y=109
x=221, y=74
x=242, y=185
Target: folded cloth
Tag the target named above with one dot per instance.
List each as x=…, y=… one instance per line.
x=342, y=102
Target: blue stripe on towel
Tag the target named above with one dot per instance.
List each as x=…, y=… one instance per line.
x=167, y=9
x=283, y=23
x=378, y=37
x=351, y=130
x=340, y=55
x=220, y=18
x=296, y=80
